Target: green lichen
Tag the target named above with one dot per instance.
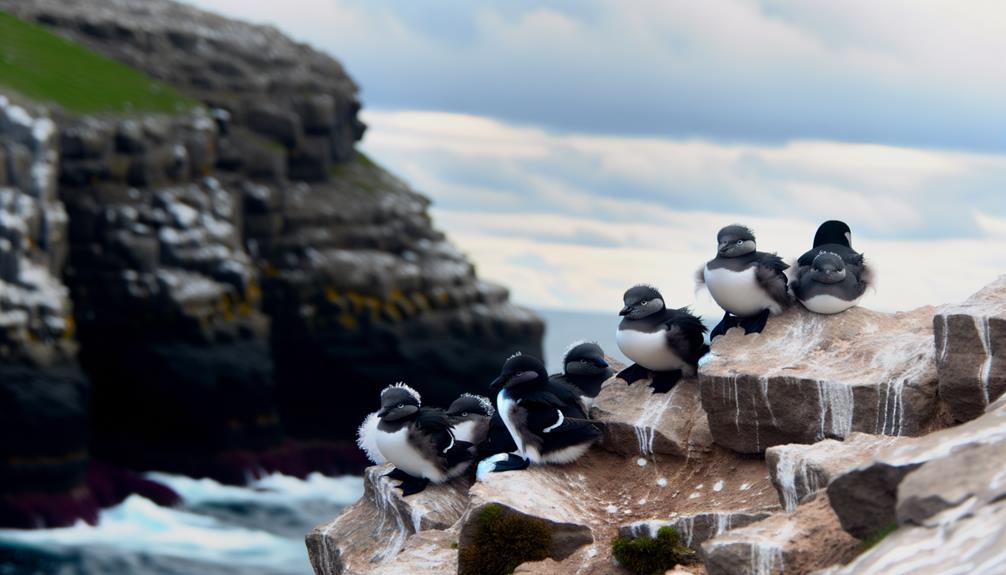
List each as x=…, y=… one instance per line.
x=878, y=536
x=652, y=556
x=503, y=540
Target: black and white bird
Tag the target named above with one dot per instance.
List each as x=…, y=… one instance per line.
x=546, y=422
x=831, y=277
x=418, y=441
x=584, y=368
x=664, y=343
x=470, y=416
x=749, y=285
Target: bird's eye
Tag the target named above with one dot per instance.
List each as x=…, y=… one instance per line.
x=739, y=242
x=401, y=405
x=644, y=302
x=464, y=414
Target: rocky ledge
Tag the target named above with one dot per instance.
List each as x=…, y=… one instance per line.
x=855, y=498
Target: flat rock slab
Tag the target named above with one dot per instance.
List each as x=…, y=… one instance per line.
x=808, y=377
x=971, y=544
x=799, y=470
x=640, y=422
x=971, y=351
x=374, y=530
x=866, y=498
x=811, y=538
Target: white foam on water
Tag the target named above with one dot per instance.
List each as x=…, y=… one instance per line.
x=141, y=526
x=274, y=489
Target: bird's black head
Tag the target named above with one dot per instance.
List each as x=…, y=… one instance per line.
x=520, y=371
x=398, y=402
x=833, y=232
x=587, y=359
x=828, y=268
x=641, y=301
x=735, y=240
x=469, y=404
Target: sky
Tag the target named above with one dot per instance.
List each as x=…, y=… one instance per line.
x=574, y=148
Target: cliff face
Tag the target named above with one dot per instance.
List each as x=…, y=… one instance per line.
x=855, y=423
x=243, y=283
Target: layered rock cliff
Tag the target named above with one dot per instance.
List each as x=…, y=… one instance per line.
x=823, y=443
x=239, y=281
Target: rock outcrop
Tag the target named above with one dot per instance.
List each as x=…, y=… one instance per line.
x=866, y=498
x=971, y=351
x=809, y=377
x=234, y=264
x=800, y=470
x=950, y=511
x=799, y=542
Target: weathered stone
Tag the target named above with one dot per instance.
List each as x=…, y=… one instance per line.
x=973, y=474
x=807, y=377
x=312, y=161
x=800, y=470
x=799, y=542
x=865, y=498
x=971, y=350
x=640, y=422
x=276, y=124
x=695, y=529
x=951, y=542
x=374, y=530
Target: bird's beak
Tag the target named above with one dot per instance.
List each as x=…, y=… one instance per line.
x=519, y=379
x=497, y=383
x=601, y=363
x=625, y=310
x=383, y=412
x=723, y=246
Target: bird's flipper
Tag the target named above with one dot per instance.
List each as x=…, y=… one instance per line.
x=397, y=474
x=413, y=485
x=725, y=324
x=633, y=373
x=755, y=324
x=663, y=381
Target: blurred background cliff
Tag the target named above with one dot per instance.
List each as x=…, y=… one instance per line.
x=207, y=270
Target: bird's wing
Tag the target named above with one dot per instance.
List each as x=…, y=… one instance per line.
x=685, y=335
x=366, y=438
x=770, y=274
x=435, y=423
x=543, y=419
x=700, y=278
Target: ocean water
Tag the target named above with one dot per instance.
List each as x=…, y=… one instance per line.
x=256, y=529
x=563, y=328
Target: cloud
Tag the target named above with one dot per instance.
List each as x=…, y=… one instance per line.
x=574, y=223
x=904, y=73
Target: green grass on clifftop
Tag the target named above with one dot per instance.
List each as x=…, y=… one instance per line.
x=50, y=69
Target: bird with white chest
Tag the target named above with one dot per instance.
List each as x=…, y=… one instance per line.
x=832, y=277
x=418, y=441
x=546, y=421
x=748, y=284
x=664, y=343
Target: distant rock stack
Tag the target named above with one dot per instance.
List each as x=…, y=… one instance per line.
x=167, y=298
x=179, y=224
x=43, y=395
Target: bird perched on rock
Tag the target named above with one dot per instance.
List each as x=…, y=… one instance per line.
x=831, y=277
x=469, y=416
x=584, y=368
x=664, y=343
x=418, y=441
x=748, y=284
x=546, y=422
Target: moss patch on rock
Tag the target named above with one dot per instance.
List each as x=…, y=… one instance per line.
x=51, y=69
x=504, y=539
x=652, y=555
x=878, y=536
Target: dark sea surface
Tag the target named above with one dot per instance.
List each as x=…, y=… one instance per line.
x=224, y=530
